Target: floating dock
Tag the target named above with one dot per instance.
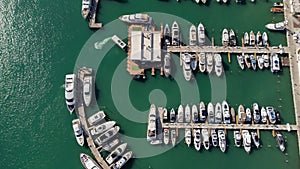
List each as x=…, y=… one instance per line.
x=93, y=24
x=119, y=42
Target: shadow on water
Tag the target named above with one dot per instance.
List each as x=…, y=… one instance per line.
x=121, y=1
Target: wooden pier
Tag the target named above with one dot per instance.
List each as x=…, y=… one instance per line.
x=285, y=61
x=93, y=24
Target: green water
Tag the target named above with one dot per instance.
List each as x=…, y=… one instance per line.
x=41, y=42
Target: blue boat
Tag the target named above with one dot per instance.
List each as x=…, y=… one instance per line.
x=253, y=62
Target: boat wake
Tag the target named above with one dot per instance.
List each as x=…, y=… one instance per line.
x=99, y=45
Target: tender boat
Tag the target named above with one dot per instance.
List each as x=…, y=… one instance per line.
x=175, y=34
x=241, y=62
x=280, y=26
x=137, y=18
x=166, y=136
x=116, y=153
x=110, y=145
x=102, y=127
x=211, y=113
x=226, y=114
x=271, y=114
x=258, y=39
x=218, y=64
x=187, y=72
x=151, y=129
x=241, y=114
x=214, y=137
x=203, y=1
x=210, y=62
x=248, y=115
x=172, y=116
x=187, y=114
x=165, y=114
x=222, y=140
x=253, y=62
x=167, y=64
x=85, y=8
x=167, y=35
x=87, y=90
x=173, y=137
x=197, y=139
x=218, y=113
x=232, y=112
x=266, y=61
x=252, y=39
x=88, y=162
x=237, y=138
x=78, y=132
x=70, y=91
x=195, y=115
x=256, y=113
x=120, y=163
x=278, y=119
x=201, y=34
x=246, y=140
x=260, y=62
x=247, y=61
x=278, y=4
x=275, y=65
x=103, y=138
x=264, y=39
x=205, y=137
x=280, y=141
x=188, y=136
x=255, y=138
x=193, y=36
x=276, y=10
x=96, y=117
x=263, y=114
x=193, y=62
x=225, y=37
x=202, y=63
x=180, y=114
x=197, y=1
x=224, y=1
x=202, y=112
x=246, y=38
x=232, y=38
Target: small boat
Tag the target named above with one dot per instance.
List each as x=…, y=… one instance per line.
x=167, y=35
x=165, y=114
x=247, y=61
x=166, y=136
x=280, y=26
x=237, y=138
x=258, y=39
x=197, y=139
x=87, y=90
x=78, y=132
x=173, y=137
x=193, y=36
x=246, y=38
x=175, y=34
x=120, y=163
x=218, y=0
x=85, y=8
x=260, y=62
x=167, y=64
x=241, y=62
x=224, y=1
x=187, y=114
x=266, y=61
x=203, y=1
x=116, y=153
x=193, y=62
x=232, y=38
x=225, y=37
x=205, y=137
x=197, y=1
x=110, y=145
x=264, y=39
x=276, y=10
x=156, y=142
x=226, y=114
x=172, y=116
x=202, y=112
x=248, y=115
x=202, y=63
x=188, y=136
x=252, y=39
x=246, y=140
x=280, y=141
x=278, y=118
x=222, y=140
x=263, y=114
x=278, y=4
x=180, y=114
x=195, y=115
x=256, y=113
x=88, y=162
x=70, y=91
x=232, y=112
x=255, y=138
x=211, y=113
x=218, y=113
x=271, y=114
x=253, y=62
x=275, y=66
x=210, y=62
x=201, y=34
x=187, y=72
x=218, y=64
x=214, y=137
x=151, y=129
x=137, y=18
x=241, y=114
x=102, y=127
x=103, y=138
x=96, y=117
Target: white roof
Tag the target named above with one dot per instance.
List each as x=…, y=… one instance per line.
x=136, y=45
x=156, y=47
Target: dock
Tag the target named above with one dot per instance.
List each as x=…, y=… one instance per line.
x=285, y=61
x=92, y=23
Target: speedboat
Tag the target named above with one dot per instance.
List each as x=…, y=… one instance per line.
x=280, y=141
x=116, y=153
x=266, y=61
x=253, y=62
x=187, y=114
x=258, y=39
x=188, y=136
x=151, y=129
x=173, y=137
x=100, y=115
x=260, y=62
x=278, y=4
x=246, y=38
x=211, y=113
x=278, y=119
x=202, y=63
x=218, y=113
x=255, y=138
x=276, y=10
x=271, y=114
x=85, y=8
x=205, y=137
x=88, y=162
x=193, y=36
x=166, y=136
x=78, y=132
x=214, y=137
x=195, y=115
x=248, y=115
x=167, y=35
x=280, y=26
x=222, y=140
x=247, y=61
x=202, y=112
x=187, y=72
x=226, y=114
x=193, y=62
x=197, y=1
x=264, y=39
x=102, y=127
x=241, y=114
x=203, y=1
x=167, y=64
x=197, y=139
x=180, y=114
x=120, y=163
x=210, y=62
x=241, y=62
x=224, y=1
x=232, y=112
x=165, y=114
x=263, y=114
x=246, y=140
x=225, y=37
x=237, y=138
x=232, y=38
x=110, y=145
x=175, y=34
x=256, y=113
x=87, y=90
x=172, y=116
x=275, y=66
x=218, y=64
x=201, y=34
x=252, y=39
x=70, y=91
x=137, y=18
x=103, y=138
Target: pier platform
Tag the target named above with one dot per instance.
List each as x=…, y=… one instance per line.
x=92, y=23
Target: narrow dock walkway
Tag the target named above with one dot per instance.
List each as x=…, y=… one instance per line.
x=93, y=24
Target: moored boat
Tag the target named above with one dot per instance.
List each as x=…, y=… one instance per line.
x=280, y=26
x=247, y=61
x=202, y=112
x=70, y=91
x=78, y=132
x=258, y=39
x=188, y=136
x=151, y=129
x=255, y=138
x=278, y=4
x=165, y=114
x=248, y=115
x=246, y=140
x=120, y=163
x=264, y=39
x=210, y=62
x=187, y=114
x=85, y=8
x=211, y=113
x=241, y=114
x=232, y=38
x=214, y=137
x=271, y=114
x=110, y=145
x=173, y=137
x=172, y=116
x=103, y=138
x=280, y=141
x=197, y=139
x=87, y=90
x=102, y=127
x=202, y=63
x=96, y=117
x=187, y=72
x=237, y=138
x=166, y=136
x=253, y=62
x=180, y=116
x=201, y=34
x=195, y=115
x=137, y=18
x=246, y=38
x=263, y=114
x=256, y=113
x=175, y=34
x=205, y=137
x=275, y=65
x=218, y=113
x=167, y=64
x=225, y=37
x=222, y=140
x=167, y=35
x=218, y=64
x=241, y=62
x=193, y=36
x=232, y=112
x=88, y=162
x=266, y=61
x=252, y=39
x=260, y=61
x=193, y=62
x=226, y=114
x=116, y=153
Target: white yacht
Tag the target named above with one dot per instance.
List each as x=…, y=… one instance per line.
x=226, y=114
x=108, y=146
x=275, y=65
x=120, y=163
x=260, y=62
x=193, y=62
x=85, y=8
x=78, y=132
x=222, y=140
x=276, y=26
x=187, y=114
x=102, y=127
x=165, y=114
x=167, y=35
x=193, y=36
x=195, y=114
x=87, y=90
x=280, y=141
x=100, y=115
x=180, y=114
x=103, y=138
x=232, y=38
x=253, y=62
x=210, y=63
x=214, y=137
x=237, y=138
x=175, y=34
x=241, y=62
x=258, y=39
x=205, y=137
x=246, y=38
x=166, y=136
x=172, y=116
x=167, y=64
x=197, y=139
x=271, y=114
x=225, y=37
x=201, y=34
x=70, y=91
x=266, y=61
x=246, y=140
x=256, y=113
x=187, y=72
x=202, y=112
x=218, y=113
x=188, y=136
x=202, y=63
x=248, y=115
x=151, y=130
x=252, y=39
x=88, y=162
x=116, y=153
x=173, y=137
x=255, y=138
x=218, y=64
x=137, y=18
x=247, y=61
x=264, y=39
x=263, y=114
x=211, y=113
x=241, y=114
